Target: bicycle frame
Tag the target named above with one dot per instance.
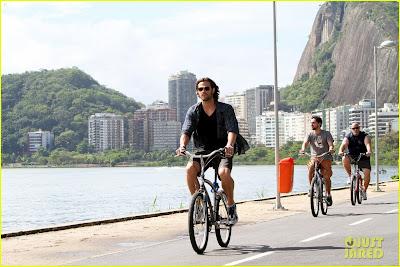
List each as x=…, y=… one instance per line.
x=203, y=181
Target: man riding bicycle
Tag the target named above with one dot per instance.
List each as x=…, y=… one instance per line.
x=357, y=142
x=320, y=142
x=213, y=125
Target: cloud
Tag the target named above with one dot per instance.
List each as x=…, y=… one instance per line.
x=231, y=42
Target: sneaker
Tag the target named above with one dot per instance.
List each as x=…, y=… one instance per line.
x=309, y=193
x=348, y=180
x=329, y=200
x=364, y=195
x=232, y=215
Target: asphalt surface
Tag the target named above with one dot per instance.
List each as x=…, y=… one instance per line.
x=370, y=228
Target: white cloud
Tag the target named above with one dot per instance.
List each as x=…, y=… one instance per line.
x=231, y=42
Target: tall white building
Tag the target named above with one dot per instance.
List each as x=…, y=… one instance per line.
x=360, y=113
x=387, y=119
x=296, y=126
x=40, y=139
x=265, y=129
x=106, y=131
x=257, y=100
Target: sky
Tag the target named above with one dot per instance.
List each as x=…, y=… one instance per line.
x=133, y=47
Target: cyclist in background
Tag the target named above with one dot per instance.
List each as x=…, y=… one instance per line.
x=357, y=142
x=320, y=141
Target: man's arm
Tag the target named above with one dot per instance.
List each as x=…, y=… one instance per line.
x=343, y=146
x=305, y=144
x=330, y=144
x=367, y=142
x=229, y=148
x=183, y=142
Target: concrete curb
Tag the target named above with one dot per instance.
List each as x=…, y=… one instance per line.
x=141, y=216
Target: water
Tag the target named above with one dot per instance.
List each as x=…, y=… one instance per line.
x=36, y=198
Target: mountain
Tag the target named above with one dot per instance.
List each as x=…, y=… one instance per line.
x=60, y=101
x=337, y=64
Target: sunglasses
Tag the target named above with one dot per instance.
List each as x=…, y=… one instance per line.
x=207, y=88
x=355, y=128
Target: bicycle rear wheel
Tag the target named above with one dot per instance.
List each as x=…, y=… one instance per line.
x=222, y=228
x=314, y=195
x=359, y=190
x=353, y=190
x=198, y=222
x=324, y=205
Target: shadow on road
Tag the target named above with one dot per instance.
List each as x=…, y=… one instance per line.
x=238, y=250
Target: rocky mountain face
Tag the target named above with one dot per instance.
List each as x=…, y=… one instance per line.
x=346, y=33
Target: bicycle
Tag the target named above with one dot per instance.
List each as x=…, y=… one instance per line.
x=318, y=192
x=356, y=187
x=203, y=213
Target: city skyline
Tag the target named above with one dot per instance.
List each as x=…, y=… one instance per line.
x=134, y=47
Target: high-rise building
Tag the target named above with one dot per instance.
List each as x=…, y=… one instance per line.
x=360, y=113
x=143, y=134
x=265, y=129
x=106, y=131
x=387, y=120
x=182, y=93
x=166, y=135
x=237, y=101
x=257, y=100
x=39, y=139
x=296, y=126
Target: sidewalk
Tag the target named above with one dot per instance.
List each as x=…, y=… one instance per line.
x=62, y=247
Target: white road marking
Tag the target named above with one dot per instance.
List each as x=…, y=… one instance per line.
x=360, y=221
x=315, y=237
x=250, y=258
x=392, y=211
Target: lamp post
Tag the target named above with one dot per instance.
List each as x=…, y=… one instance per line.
x=384, y=44
x=278, y=205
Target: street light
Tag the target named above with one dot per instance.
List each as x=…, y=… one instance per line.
x=384, y=44
x=278, y=205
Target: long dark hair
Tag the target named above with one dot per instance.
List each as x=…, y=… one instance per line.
x=213, y=85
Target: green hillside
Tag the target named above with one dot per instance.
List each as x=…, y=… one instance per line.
x=60, y=101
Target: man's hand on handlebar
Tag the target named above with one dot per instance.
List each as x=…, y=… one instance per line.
x=181, y=151
x=229, y=151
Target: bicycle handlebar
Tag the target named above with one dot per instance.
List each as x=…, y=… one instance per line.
x=220, y=150
x=359, y=156
x=318, y=156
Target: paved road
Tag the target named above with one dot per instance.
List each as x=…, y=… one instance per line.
x=294, y=240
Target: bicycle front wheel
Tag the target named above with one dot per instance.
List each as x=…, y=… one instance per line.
x=223, y=229
x=324, y=194
x=198, y=222
x=353, y=191
x=314, y=197
x=359, y=190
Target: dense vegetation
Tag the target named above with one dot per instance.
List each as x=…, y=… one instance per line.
x=60, y=101
x=256, y=155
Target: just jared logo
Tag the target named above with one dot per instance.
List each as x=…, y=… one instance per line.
x=363, y=247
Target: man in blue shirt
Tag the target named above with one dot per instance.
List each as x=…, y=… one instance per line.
x=213, y=125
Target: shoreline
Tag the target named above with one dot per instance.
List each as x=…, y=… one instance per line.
x=146, y=165
x=94, y=222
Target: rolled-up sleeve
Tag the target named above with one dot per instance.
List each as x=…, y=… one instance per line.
x=231, y=123
x=188, y=125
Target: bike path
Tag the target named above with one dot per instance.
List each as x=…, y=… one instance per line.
x=293, y=240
